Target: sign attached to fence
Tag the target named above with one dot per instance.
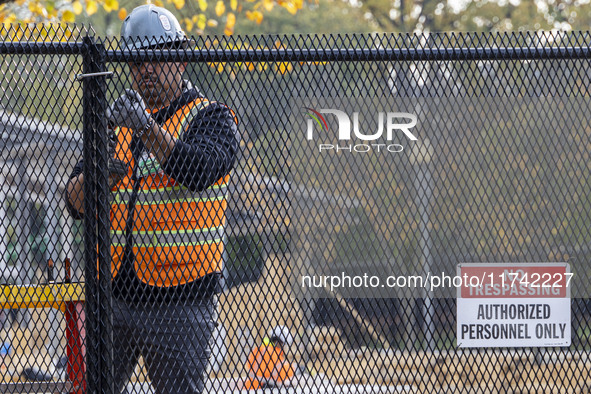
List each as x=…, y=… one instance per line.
x=514, y=305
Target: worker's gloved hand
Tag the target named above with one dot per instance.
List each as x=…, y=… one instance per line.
x=129, y=111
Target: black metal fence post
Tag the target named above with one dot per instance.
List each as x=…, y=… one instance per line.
x=99, y=340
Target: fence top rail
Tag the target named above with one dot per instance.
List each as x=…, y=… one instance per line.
x=41, y=48
x=351, y=54
x=316, y=51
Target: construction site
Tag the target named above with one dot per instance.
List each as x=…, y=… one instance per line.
x=462, y=173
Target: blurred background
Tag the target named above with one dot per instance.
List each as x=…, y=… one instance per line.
x=216, y=17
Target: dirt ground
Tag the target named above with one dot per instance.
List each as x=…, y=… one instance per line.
x=357, y=371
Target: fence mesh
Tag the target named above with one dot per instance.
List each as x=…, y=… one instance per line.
x=292, y=176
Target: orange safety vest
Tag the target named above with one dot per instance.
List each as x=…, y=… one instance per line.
x=177, y=233
x=267, y=363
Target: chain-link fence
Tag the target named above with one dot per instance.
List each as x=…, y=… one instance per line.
x=324, y=187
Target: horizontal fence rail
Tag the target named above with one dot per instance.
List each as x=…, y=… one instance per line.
x=354, y=54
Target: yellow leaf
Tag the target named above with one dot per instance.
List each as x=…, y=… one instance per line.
x=68, y=16
x=11, y=18
x=230, y=22
x=77, y=7
x=195, y=18
x=111, y=5
x=18, y=35
x=290, y=7
x=220, y=8
x=158, y=3
x=202, y=5
x=179, y=4
x=268, y=4
x=122, y=14
x=201, y=21
x=233, y=4
x=91, y=7
x=212, y=23
x=255, y=16
x=34, y=7
x=67, y=32
x=284, y=67
x=188, y=25
x=45, y=29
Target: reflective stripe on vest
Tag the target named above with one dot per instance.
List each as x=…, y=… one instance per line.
x=185, y=123
x=170, y=238
x=177, y=234
x=176, y=193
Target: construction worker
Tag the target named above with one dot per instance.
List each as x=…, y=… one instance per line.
x=267, y=365
x=173, y=151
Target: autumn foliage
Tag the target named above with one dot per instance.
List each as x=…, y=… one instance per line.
x=227, y=12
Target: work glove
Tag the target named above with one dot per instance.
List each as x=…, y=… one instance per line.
x=129, y=111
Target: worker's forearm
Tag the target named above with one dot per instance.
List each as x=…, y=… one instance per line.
x=159, y=142
x=75, y=192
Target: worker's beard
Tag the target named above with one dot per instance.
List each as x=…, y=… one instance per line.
x=153, y=94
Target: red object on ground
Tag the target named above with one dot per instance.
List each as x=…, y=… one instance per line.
x=75, y=334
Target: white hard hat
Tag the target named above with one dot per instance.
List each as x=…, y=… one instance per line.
x=149, y=25
x=281, y=334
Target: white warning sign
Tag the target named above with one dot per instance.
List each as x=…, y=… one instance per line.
x=514, y=305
